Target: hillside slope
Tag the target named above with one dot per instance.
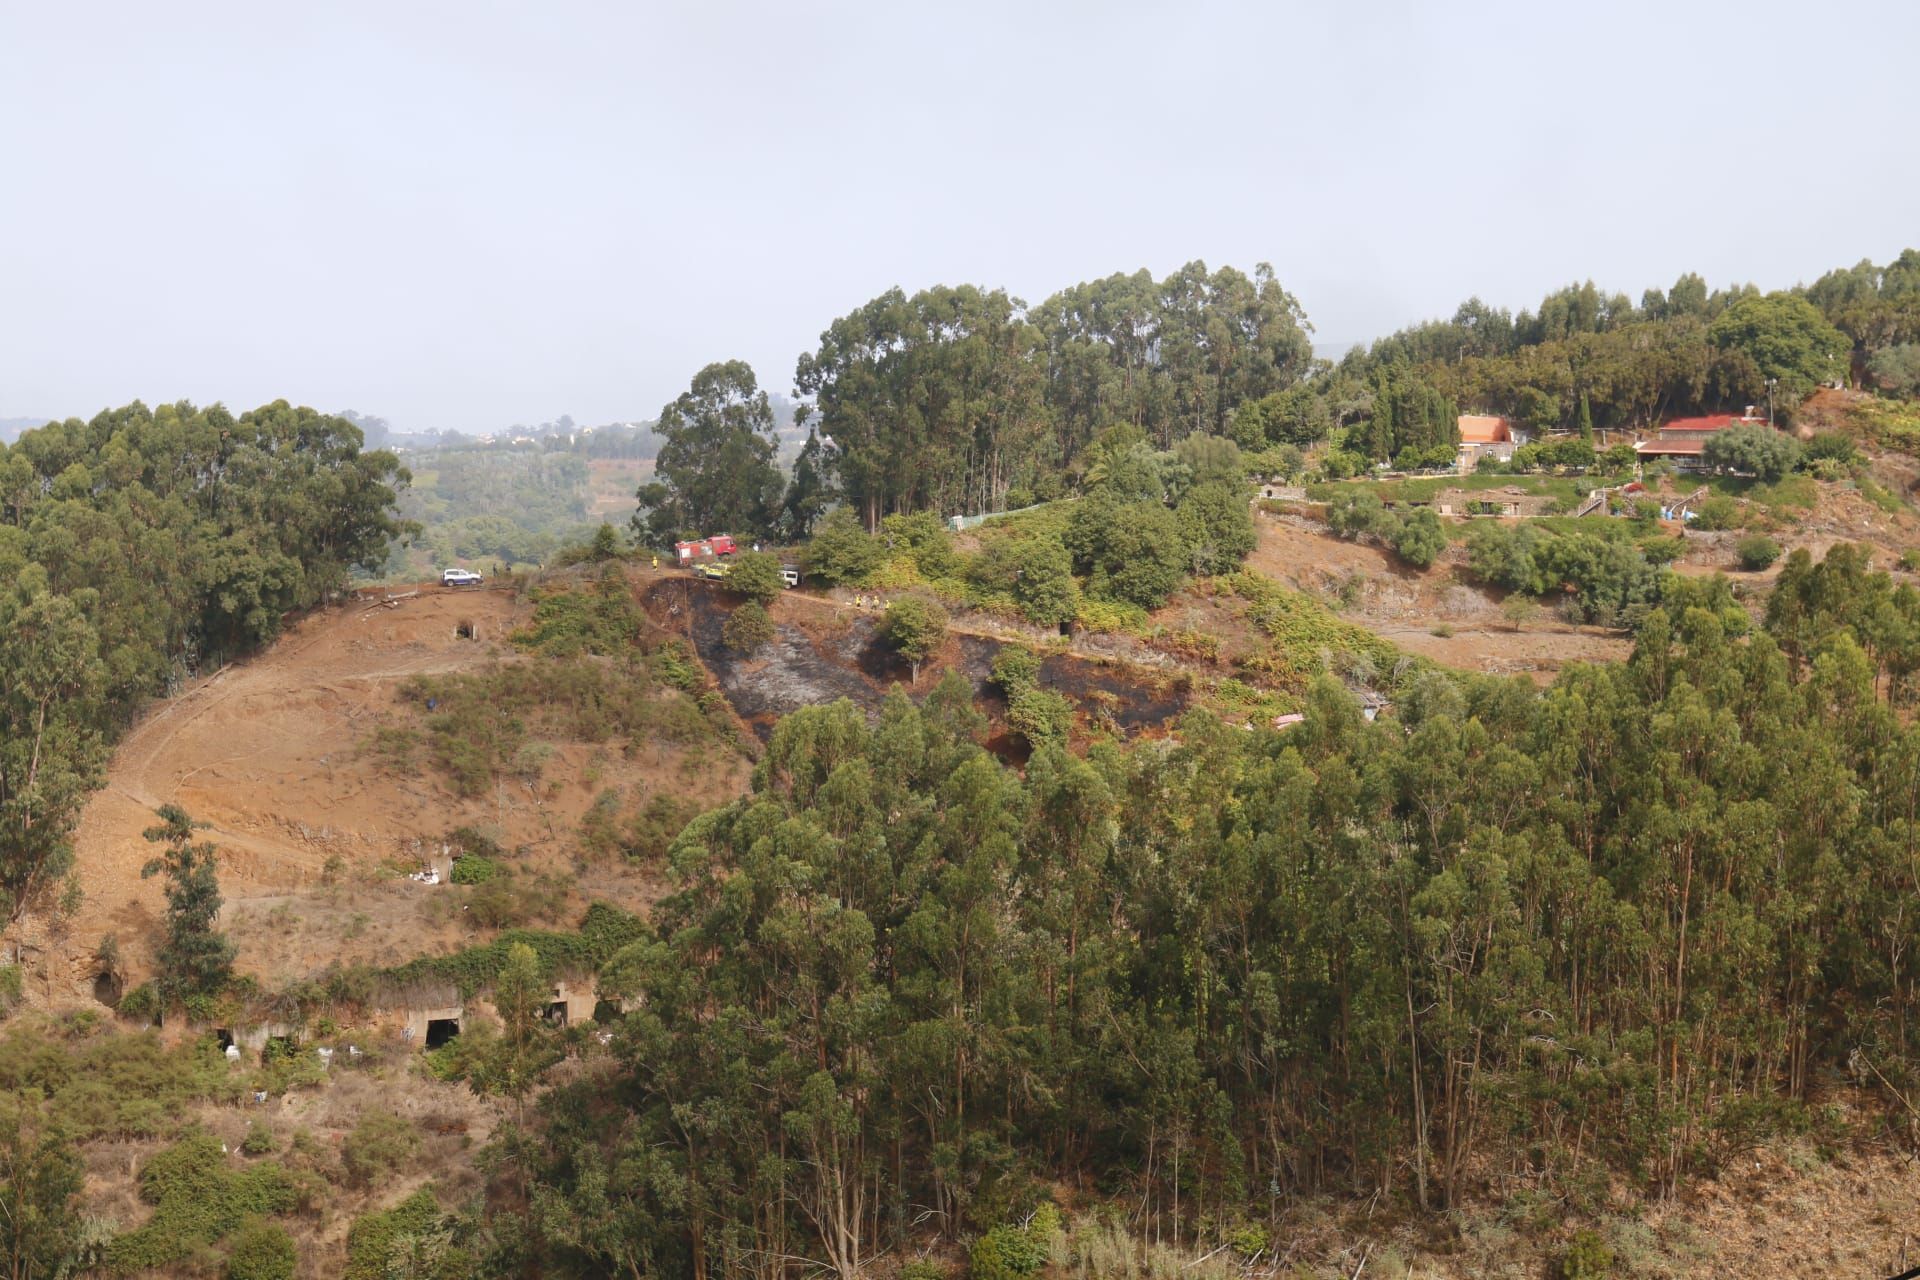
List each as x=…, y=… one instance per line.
x=316, y=831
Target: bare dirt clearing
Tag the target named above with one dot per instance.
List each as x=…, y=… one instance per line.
x=1369, y=586
x=272, y=753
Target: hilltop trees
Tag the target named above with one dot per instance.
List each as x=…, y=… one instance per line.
x=188, y=533
x=958, y=399
x=1171, y=358
x=714, y=472
x=932, y=402
x=1897, y=369
x=1876, y=307
x=949, y=399
x=1787, y=339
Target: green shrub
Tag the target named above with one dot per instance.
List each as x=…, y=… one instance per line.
x=1040, y=716
x=675, y=666
x=261, y=1251
x=915, y=627
x=1717, y=513
x=508, y=902
x=472, y=868
x=1756, y=551
x=198, y=1198
x=747, y=628
x=1420, y=539
x=1832, y=446
x=126, y=1085
x=1754, y=450
x=650, y=832
x=921, y=1269
x=377, y=1147
x=1662, y=550
x=756, y=575
x=923, y=539
x=259, y=1140
x=842, y=552
x=1249, y=1241
x=1015, y=668
x=1006, y=1253
x=1587, y=1258
x=1217, y=527
x=376, y=1240
x=1131, y=552
x=1110, y=616
x=11, y=987
x=1356, y=513
x=601, y=619
x=1035, y=573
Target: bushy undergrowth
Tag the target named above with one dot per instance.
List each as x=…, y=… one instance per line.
x=262, y=1251
x=600, y=618
x=480, y=725
x=1303, y=635
x=1891, y=424
x=642, y=835
x=413, y=1238
x=1099, y=563
x=198, y=1197
x=603, y=930
x=379, y=1145
x=120, y=1086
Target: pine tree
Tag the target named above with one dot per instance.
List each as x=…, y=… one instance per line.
x=1586, y=418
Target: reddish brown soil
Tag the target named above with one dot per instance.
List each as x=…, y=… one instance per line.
x=272, y=753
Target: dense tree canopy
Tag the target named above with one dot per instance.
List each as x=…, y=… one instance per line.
x=953, y=398
x=1787, y=339
x=1610, y=930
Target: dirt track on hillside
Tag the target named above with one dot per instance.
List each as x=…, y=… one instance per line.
x=267, y=752
x=272, y=754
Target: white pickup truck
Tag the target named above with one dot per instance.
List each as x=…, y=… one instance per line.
x=460, y=578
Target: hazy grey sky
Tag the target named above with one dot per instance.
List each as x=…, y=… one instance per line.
x=466, y=215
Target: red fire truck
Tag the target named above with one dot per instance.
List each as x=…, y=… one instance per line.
x=689, y=553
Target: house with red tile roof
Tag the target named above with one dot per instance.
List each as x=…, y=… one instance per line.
x=1484, y=435
x=1683, y=441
